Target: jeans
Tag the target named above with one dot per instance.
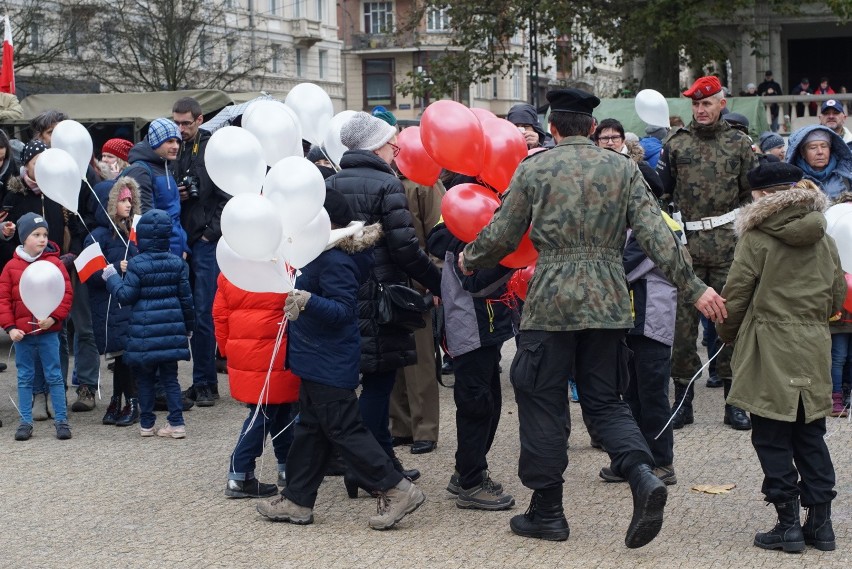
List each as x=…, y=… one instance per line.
x=46, y=347
x=375, y=406
x=39, y=384
x=146, y=376
x=271, y=419
x=841, y=357
x=205, y=271
x=87, y=361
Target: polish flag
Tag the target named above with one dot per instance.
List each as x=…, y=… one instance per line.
x=136, y=219
x=7, y=71
x=90, y=261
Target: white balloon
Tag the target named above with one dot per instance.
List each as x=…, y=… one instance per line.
x=58, y=177
x=276, y=127
x=234, y=161
x=334, y=149
x=652, y=108
x=73, y=138
x=42, y=288
x=297, y=189
x=301, y=248
x=313, y=107
x=252, y=226
x=839, y=218
x=250, y=275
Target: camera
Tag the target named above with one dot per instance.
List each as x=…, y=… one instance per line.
x=190, y=182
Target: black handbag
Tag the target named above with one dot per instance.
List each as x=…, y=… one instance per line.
x=401, y=306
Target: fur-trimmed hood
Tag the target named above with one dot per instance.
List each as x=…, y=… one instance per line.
x=794, y=216
x=355, y=237
x=107, y=193
x=17, y=185
x=635, y=151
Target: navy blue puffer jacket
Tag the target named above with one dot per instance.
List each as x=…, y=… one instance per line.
x=157, y=285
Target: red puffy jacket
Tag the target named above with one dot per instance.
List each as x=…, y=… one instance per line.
x=13, y=312
x=246, y=327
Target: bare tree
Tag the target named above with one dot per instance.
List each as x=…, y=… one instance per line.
x=43, y=32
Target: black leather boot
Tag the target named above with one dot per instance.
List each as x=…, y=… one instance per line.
x=352, y=484
x=817, y=529
x=787, y=533
x=130, y=413
x=734, y=416
x=113, y=411
x=545, y=518
x=649, y=501
x=684, y=415
x=412, y=474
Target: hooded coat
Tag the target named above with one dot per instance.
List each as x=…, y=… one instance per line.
x=157, y=286
x=784, y=285
x=840, y=178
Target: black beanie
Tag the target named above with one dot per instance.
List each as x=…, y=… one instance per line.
x=338, y=208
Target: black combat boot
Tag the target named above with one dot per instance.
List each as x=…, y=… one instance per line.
x=817, y=529
x=649, y=501
x=734, y=416
x=130, y=413
x=712, y=376
x=545, y=518
x=684, y=415
x=113, y=412
x=787, y=533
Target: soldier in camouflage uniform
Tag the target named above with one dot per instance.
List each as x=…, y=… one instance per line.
x=703, y=168
x=578, y=199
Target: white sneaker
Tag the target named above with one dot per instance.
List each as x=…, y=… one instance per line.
x=173, y=431
x=147, y=432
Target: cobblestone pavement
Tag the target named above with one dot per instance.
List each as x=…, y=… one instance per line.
x=108, y=498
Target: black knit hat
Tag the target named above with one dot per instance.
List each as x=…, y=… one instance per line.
x=31, y=150
x=777, y=175
x=338, y=208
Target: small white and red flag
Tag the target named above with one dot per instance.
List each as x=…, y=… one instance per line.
x=7, y=71
x=136, y=219
x=90, y=261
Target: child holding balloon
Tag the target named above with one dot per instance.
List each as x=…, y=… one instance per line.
x=35, y=297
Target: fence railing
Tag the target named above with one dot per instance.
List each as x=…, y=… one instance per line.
x=796, y=111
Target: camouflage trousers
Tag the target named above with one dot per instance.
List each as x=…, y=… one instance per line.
x=685, y=359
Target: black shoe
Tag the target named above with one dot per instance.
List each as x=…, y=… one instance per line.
x=423, y=447
x=737, y=418
x=400, y=441
x=545, y=518
x=190, y=393
x=684, y=415
x=214, y=390
x=160, y=403
x=203, y=396
x=714, y=381
x=447, y=368
x=113, y=411
x=817, y=527
x=350, y=482
x=130, y=413
x=187, y=404
x=787, y=533
x=249, y=489
x=63, y=431
x=412, y=474
x=221, y=365
x=649, y=501
x=3, y=366
x=24, y=432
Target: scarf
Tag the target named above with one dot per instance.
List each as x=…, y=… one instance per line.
x=26, y=256
x=31, y=184
x=823, y=174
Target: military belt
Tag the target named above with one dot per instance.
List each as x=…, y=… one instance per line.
x=708, y=223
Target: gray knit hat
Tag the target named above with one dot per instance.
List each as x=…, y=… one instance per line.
x=770, y=140
x=365, y=132
x=28, y=223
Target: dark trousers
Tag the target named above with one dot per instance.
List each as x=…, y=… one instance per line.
x=374, y=402
x=272, y=419
x=478, y=403
x=146, y=377
x=647, y=394
x=123, y=382
x=539, y=375
x=205, y=271
x=329, y=418
x=780, y=444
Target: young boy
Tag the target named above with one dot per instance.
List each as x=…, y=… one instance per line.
x=35, y=338
x=161, y=322
x=784, y=285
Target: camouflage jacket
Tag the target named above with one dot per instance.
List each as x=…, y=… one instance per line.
x=703, y=169
x=579, y=200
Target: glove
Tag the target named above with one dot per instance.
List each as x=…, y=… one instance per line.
x=108, y=271
x=68, y=260
x=295, y=303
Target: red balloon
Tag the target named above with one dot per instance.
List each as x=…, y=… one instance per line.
x=413, y=160
x=523, y=256
x=467, y=208
x=520, y=282
x=452, y=136
x=847, y=304
x=482, y=114
x=505, y=147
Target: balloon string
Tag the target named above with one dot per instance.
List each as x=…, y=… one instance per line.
x=327, y=157
x=108, y=216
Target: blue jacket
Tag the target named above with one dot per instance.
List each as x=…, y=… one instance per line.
x=652, y=148
x=324, y=343
x=110, y=318
x=157, y=286
x=840, y=178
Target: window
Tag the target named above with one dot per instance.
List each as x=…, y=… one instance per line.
x=229, y=4
x=517, y=38
x=378, y=17
x=378, y=83
x=275, y=65
x=35, y=36
x=298, y=9
x=232, y=53
x=438, y=20
x=273, y=7
x=517, y=82
x=204, y=50
x=73, y=42
x=321, y=10
x=323, y=63
x=493, y=87
x=300, y=61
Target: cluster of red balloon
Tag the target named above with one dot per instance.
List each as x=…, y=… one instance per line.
x=520, y=282
x=473, y=142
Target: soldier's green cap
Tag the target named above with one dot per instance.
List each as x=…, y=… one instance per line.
x=572, y=101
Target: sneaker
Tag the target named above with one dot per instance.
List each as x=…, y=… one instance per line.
x=395, y=504
x=40, y=412
x=281, y=509
x=666, y=474
x=204, y=397
x=454, y=488
x=252, y=488
x=173, y=431
x=147, y=432
x=484, y=497
x=63, y=431
x=24, y=432
x=85, y=400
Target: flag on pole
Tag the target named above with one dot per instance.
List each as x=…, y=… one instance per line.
x=90, y=261
x=132, y=236
x=7, y=71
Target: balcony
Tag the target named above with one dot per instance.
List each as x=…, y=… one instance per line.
x=384, y=42
x=306, y=32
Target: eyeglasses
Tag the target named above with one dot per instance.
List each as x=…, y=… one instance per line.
x=610, y=138
x=185, y=124
x=396, y=149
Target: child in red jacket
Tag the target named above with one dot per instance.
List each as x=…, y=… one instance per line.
x=247, y=325
x=31, y=336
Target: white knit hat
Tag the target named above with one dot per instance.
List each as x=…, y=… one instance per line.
x=365, y=132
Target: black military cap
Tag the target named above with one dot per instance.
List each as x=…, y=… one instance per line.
x=773, y=174
x=572, y=101
x=736, y=119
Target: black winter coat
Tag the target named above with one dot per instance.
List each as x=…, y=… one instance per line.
x=200, y=216
x=376, y=195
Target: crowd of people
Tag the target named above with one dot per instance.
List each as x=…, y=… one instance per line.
x=634, y=236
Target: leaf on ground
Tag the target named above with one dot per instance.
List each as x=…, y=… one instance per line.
x=714, y=488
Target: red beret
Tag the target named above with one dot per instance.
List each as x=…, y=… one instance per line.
x=703, y=87
x=118, y=147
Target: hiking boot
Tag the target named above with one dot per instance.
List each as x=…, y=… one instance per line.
x=204, y=397
x=666, y=474
x=838, y=409
x=252, y=488
x=454, y=488
x=24, y=432
x=85, y=400
x=787, y=533
x=130, y=413
x=395, y=504
x=609, y=475
x=649, y=501
x=544, y=518
x=280, y=509
x=147, y=431
x=40, y=412
x=817, y=528
x=113, y=412
x=736, y=418
x=484, y=497
x=173, y=431
x=63, y=431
